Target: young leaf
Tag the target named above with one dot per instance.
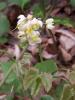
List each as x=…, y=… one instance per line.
x=46, y=81
x=67, y=92
x=47, y=66
x=72, y=77
x=36, y=87
x=5, y=68
x=29, y=79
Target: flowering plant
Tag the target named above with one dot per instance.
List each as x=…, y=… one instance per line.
x=29, y=28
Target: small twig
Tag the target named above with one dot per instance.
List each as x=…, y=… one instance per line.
x=54, y=39
x=23, y=51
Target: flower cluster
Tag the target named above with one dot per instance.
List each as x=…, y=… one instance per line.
x=29, y=28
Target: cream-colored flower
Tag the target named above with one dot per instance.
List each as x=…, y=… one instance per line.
x=22, y=36
x=28, y=29
x=21, y=18
x=49, y=26
x=50, y=20
x=50, y=23
x=29, y=16
x=21, y=24
x=21, y=33
x=34, y=38
x=37, y=22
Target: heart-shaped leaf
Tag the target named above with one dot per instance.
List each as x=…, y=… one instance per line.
x=47, y=81
x=48, y=66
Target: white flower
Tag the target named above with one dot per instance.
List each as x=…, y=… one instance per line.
x=21, y=33
x=40, y=23
x=29, y=16
x=28, y=29
x=34, y=38
x=49, y=26
x=50, y=20
x=21, y=18
x=36, y=33
x=21, y=22
x=50, y=23
x=22, y=36
x=37, y=22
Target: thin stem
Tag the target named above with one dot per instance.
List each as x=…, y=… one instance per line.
x=54, y=39
x=23, y=51
x=20, y=77
x=40, y=52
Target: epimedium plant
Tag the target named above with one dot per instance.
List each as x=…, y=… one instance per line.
x=20, y=78
x=28, y=78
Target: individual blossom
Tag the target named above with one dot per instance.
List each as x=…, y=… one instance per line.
x=36, y=24
x=50, y=23
x=28, y=28
x=29, y=16
x=34, y=38
x=21, y=22
x=22, y=36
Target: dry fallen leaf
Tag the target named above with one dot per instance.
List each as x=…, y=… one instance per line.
x=47, y=55
x=66, y=56
x=66, y=42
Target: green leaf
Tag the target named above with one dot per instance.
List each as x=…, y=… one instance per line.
x=5, y=68
x=36, y=86
x=17, y=2
x=20, y=3
x=3, y=39
x=46, y=97
x=4, y=24
x=64, y=21
x=47, y=66
x=38, y=11
x=72, y=2
x=59, y=91
x=72, y=77
x=46, y=81
x=2, y=5
x=5, y=88
x=24, y=2
x=9, y=97
x=67, y=92
x=29, y=79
